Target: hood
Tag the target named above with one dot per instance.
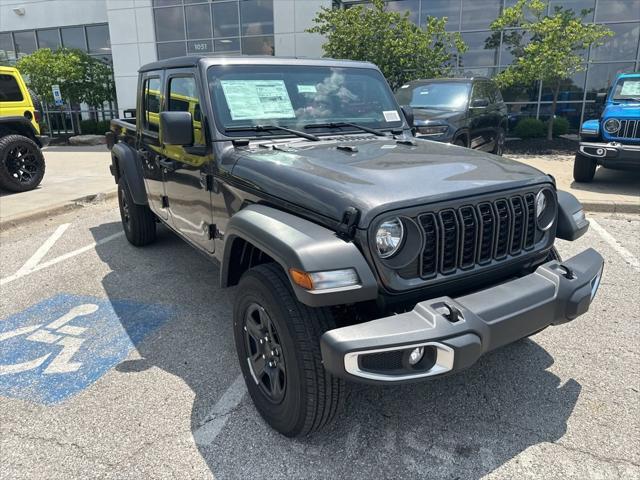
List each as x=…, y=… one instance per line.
x=422, y=115
x=622, y=111
x=382, y=175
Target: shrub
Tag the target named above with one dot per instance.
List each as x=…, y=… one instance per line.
x=530, y=128
x=560, y=126
x=92, y=127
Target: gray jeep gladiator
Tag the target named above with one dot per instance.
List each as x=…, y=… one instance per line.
x=359, y=252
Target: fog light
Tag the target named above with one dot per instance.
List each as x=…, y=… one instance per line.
x=600, y=151
x=416, y=355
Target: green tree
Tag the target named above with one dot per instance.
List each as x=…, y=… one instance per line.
x=546, y=47
x=401, y=49
x=81, y=77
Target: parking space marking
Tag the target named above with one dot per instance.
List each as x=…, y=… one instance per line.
x=19, y=274
x=43, y=250
x=215, y=421
x=610, y=239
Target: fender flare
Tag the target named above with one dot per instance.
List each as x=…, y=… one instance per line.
x=125, y=161
x=294, y=242
x=462, y=132
x=21, y=126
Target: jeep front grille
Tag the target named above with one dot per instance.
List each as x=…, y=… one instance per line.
x=470, y=235
x=629, y=130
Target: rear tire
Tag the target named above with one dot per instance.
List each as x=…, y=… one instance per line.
x=21, y=163
x=584, y=168
x=278, y=345
x=138, y=221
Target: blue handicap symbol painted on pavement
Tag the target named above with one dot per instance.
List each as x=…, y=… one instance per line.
x=61, y=345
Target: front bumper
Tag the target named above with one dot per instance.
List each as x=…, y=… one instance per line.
x=612, y=154
x=454, y=333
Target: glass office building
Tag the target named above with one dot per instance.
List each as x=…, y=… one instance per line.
x=134, y=32
x=472, y=18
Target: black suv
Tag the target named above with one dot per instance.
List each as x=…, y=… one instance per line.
x=360, y=252
x=468, y=112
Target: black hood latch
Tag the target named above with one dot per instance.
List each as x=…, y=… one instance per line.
x=347, y=227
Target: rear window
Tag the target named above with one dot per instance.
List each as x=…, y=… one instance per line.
x=9, y=89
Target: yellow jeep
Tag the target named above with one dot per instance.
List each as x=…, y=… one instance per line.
x=21, y=160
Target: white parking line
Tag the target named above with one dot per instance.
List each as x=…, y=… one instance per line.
x=43, y=250
x=218, y=416
x=61, y=258
x=607, y=237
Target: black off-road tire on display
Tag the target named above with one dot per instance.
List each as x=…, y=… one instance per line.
x=584, y=168
x=268, y=321
x=21, y=163
x=138, y=221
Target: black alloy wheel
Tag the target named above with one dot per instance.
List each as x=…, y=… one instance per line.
x=266, y=358
x=21, y=163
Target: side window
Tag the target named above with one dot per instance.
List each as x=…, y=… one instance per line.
x=151, y=104
x=183, y=97
x=9, y=89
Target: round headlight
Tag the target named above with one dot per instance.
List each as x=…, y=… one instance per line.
x=612, y=125
x=545, y=209
x=389, y=237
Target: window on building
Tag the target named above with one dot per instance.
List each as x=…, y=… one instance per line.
x=227, y=45
x=225, y=19
x=25, y=42
x=169, y=23
x=441, y=8
x=258, y=45
x=477, y=54
x=98, y=39
x=622, y=46
x=617, y=10
x=256, y=17
x=166, y=3
x=576, y=5
x=7, y=52
x=171, y=49
x=571, y=89
x=48, y=38
x=198, y=21
x=73, y=37
x=479, y=15
x=9, y=89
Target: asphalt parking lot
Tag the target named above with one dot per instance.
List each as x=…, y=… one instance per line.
x=117, y=362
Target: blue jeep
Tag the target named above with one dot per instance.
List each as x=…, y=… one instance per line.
x=613, y=141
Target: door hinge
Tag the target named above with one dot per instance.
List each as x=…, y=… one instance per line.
x=347, y=228
x=165, y=201
x=214, y=233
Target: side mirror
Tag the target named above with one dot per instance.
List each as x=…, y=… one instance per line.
x=480, y=103
x=176, y=128
x=407, y=111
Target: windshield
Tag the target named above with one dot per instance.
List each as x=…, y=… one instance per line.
x=627, y=89
x=439, y=96
x=296, y=97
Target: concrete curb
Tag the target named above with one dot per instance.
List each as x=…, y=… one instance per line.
x=610, y=206
x=17, y=220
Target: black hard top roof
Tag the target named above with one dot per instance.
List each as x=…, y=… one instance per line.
x=192, y=61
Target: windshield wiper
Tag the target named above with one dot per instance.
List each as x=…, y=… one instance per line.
x=346, y=124
x=266, y=128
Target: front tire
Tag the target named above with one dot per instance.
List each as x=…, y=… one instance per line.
x=584, y=168
x=138, y=221
x=278, y=344
x=21, y=163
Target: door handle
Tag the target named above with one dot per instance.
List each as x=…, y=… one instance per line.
x=168, y=165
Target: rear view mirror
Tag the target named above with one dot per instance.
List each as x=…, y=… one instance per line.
x=176, y=128
x=480, y=103
x=408, y=114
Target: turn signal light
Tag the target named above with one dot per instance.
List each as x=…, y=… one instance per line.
x=325, y=280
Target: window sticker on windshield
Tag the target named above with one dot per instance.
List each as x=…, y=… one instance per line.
x=391, y=116
x=630, y=88
x=257, y=99
x=307, y=89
